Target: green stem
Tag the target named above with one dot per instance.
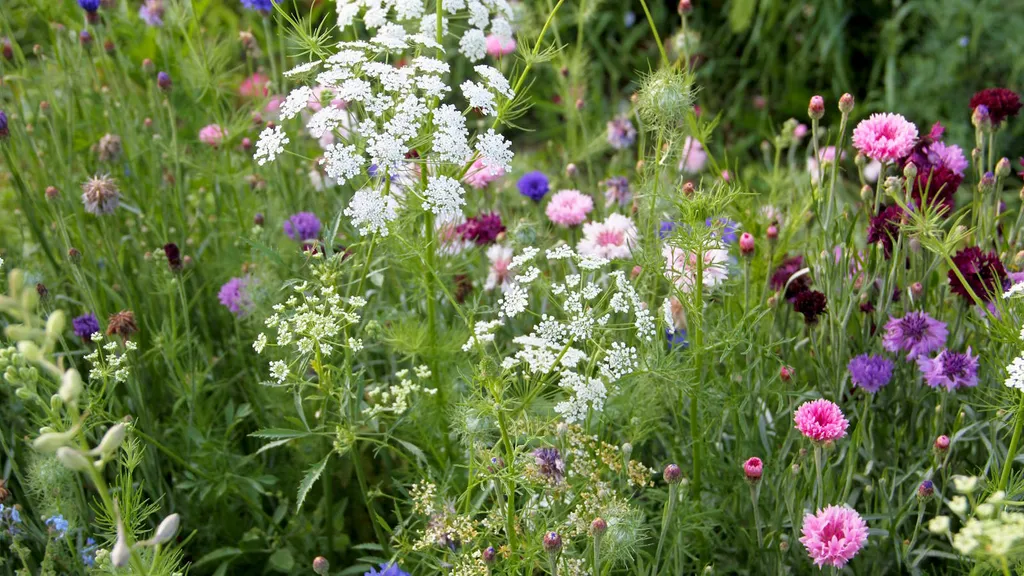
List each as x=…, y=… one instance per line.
x=666, y=519
x=1011, y=453
x=818, y=484
x=657, y=37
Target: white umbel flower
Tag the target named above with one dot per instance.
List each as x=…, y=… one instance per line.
x=270, y=144
x=444, y=197
x=495, y=152
x=371, y=211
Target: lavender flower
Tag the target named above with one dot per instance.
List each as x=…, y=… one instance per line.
x=534, y=185
x=617, y=191
x=86, y=325
x=303, y=226
x=234, y=295
x=621, y=133
x=549, y=464
x=387, y=570
x=917, y=333
x=951, y=370
x=870, y=372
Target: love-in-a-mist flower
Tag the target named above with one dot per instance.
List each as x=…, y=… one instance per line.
x=681, y=267
x=821, y=421
x=885, y=137
x=265, y=6
x=693, y=157
x=614, y=238
x=950, y=370
x=498, y=274
x=917, y=333
x=569, y=208
x=870, y=372
x=983, y=271
x=302, y=226
x=621, y=133
x=100, y=195
x=480, y=174
x=534, y=185
x=1000, y=102
x=234, y=295
x=86, y=325
x=212, y=135
x=834, y=535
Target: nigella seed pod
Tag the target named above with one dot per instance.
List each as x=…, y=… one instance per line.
x=673, y=474
x=490, y=555
x=552, y=543
x=321, y=566
x=598, y=527
x=816, y=107
x=122, y=324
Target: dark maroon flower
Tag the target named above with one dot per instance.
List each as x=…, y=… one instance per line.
x=173, y=256
x=481, y=230
x=122, y=324
x=784, y=272
x=936, y=186
x=983, y=272
x=1001, y=103
x=811, y=304
x=885, y=228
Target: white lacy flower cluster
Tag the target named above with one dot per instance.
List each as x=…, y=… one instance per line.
x=991, y=533
x=481, y=16
x=395, y=399
x=378, y=112
x=586, y=343
x=1015, y=370
x=107, y=362
x=310, y=321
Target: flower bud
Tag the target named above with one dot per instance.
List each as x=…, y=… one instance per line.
x=55, y=323
x=672, y=474
x=910, y=171
x=773, y=233
x=571, y=171
x=598, y=527
x=816, y=108
x=627, y=451
x=785, y=373
x=147, y=66
x=120, y=556
x=942, y=444
x=111, y=441
x=84, y=38
x=987, y=183
x=684, y=7
x=30, y=350
x=70, y=386
x=73, y=459
x=689, y=189
x=163, y=80
x=321, y=566
x=552, y=543
x=925, y=490
x=981, y=118
x=747, y=244
x=846, y=103
x=1003, y=167
x=166, y=530
x=490, y=555
x=752, y=468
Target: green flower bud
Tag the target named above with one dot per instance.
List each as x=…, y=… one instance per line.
x=30, y=351
x=73, y=459
x=55, y=324
x=52, y=441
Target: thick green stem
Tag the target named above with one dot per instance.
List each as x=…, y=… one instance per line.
x=666, y=519
x=1011, y=453
x=818, y=484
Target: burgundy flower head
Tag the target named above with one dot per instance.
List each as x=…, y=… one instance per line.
x=782, y=274
x=983, y=272
x=811, y=304
x=936, y=186
x=481, y=230
x=1001, y=103
x=885, y=228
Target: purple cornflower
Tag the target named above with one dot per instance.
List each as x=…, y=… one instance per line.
x=234, y=295
x=666, y=228
x=86, y=325
x=728, y=228
x=917, y=333
x=534, y=185
x=303, y=226
x=163, y=80
x=259, y=5
x=549, y=464
x=90, y=6
x=152, y=12
x=482, y=230
x=951, y=370
x=621, y=133
x=870, y=372
x=617, y=191
x=387, y=570
x=4, y=132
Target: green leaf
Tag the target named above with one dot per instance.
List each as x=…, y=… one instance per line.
x=279, y=433
x=741, y=13
x=310, y=479
x=282, y=560
x=218, y=554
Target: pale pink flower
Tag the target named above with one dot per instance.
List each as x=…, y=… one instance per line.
x=479, y=176
x=693, y=156
x=885, y=137
x=498, y=46
x=611, y=239
x=449, y=238
x=273, y=106
x=821, y=421
x=498, y=276
x=834, y=535
x=212, y=135
x=315, y=102
x=254, y=86
x=681, y=267
x=569, y=208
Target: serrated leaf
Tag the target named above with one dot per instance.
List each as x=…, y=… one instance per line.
x=274, y=444
x=310, y=479
x=279, y=433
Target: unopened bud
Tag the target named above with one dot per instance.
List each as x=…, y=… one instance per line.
x=846, y=103
x=987, y=183
x=55, y=323
x=942, y=444
x=689, y=189
x=1003, y=167
x=747, y=244
x=684, y=7
x=910, y=171
x=70, y=386
x=52, y=441
x=490, y=555
x=321, y=566
x=598, y=527
x=111, y=441
x=926, y=490
x=73, y=459
x=552, y=543
x=752, y=468
x=981, y=118
x=672, y=474
x=52, y=192
x=571, y=170
x=785, y=373
x=772, y=233
x=816, y=107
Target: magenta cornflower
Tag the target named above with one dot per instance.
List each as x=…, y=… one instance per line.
x=834, y=535
x=885, y=137
x=917, y=333
x=482, y=230
x=821, y=421
x=753, y=468
x=303, y=226
x=983, y=272
x=569, y=208
x=1000, y=103
x=212, y=135
x=870, y=372
x=234, y=295
x=950, y=370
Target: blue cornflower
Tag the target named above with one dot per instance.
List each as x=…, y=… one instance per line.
x=534, y=185
x=729, y=228
x=58, y=524
x=676, y=339
x=86, y=325
x=666, y=229
x=387, y=570
x=3, y=125
x=90, y=6
x=260, y=5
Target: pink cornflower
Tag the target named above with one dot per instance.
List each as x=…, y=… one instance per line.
x=212, y=135
x=821, y=421
x=834, y=535
x=681, y=267
x=498, y=276
x=693, y=156
x=569, y=208
x=254, y=86
x=752, y=468
x=611, y=239
x=479, y=176
x=885, y=137
x=950, y=370
x=498, y=46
